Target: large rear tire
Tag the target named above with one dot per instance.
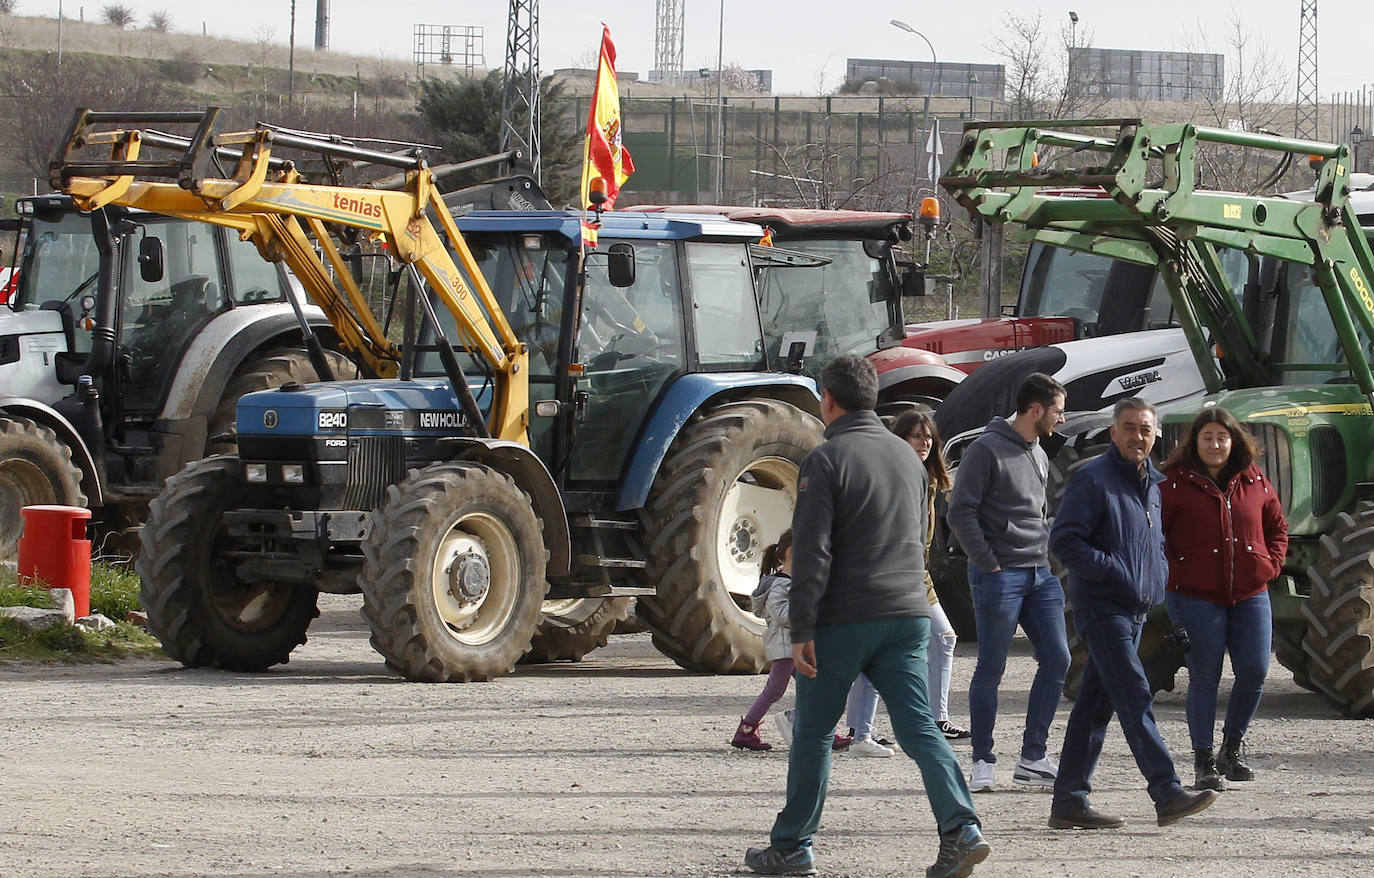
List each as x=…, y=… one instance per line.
x=725, y=493
x=36, y=469
x=197, y=606
x=574, y=627
x=1158, y=655
x=949, y=573
x=1340, y=614
x=266, y=372
x=453, y=574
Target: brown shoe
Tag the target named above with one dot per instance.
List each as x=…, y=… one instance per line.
x=1183, y=805
x=1086, y=817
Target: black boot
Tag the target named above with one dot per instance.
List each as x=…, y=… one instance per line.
x=1231, y=760
x=1207, y=775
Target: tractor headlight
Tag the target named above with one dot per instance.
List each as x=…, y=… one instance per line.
x=293, y=474
x=256, y=472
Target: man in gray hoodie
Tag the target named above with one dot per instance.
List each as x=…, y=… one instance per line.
x=997, y=511
x=858, y=605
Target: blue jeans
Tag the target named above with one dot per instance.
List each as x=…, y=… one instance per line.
x=891, y=653
x=1113, y=681
x=1246, y=632
x=1033, y=598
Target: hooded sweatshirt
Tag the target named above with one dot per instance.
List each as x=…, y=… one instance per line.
x=997, y=508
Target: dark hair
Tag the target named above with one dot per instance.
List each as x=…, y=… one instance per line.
x=1132, y=403
x=1038, y=387
x=772, y=556
x=1244, y=448
x=906, y=424
x=852, y=382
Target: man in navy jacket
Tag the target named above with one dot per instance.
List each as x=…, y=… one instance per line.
x=1108, y=534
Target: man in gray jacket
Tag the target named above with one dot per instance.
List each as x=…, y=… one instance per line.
x=998, y=513
x=858, y=605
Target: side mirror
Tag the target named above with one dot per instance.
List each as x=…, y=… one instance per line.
x=150, y=266
x=620, y=265
x=913, y=281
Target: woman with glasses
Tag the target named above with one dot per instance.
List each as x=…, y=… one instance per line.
x=917, y=427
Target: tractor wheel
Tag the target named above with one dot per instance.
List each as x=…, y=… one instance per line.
x=36, y=469
x=1340, y=622
x=1160, y=658
x=266, y=372
x=574, y=627
x=1289, y=652
x=725, y=493
x=197, y=606
x=453, y=574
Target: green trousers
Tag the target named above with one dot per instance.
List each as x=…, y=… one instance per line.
x=892, y=653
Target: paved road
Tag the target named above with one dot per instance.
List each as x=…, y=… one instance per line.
x=617, y=766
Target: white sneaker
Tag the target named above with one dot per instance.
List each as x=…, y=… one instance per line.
x=1040, y=773
x=784, y=724
x=980, y=780
x=869, y=747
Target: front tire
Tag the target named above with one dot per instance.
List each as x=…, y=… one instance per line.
x=572, y=628
x=1340, y=618
x=197, y=606
x=453, y=574
x=36, y=469
x=725, y=492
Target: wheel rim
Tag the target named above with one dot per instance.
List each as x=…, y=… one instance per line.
x=245, y=606
x=756, y=510
x=26, y=483
x=476, y=578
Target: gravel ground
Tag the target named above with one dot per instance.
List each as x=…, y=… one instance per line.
x=617, y=766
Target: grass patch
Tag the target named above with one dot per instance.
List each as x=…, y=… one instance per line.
x=114, y=592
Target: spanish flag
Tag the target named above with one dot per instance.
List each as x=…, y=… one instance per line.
x=603, y=155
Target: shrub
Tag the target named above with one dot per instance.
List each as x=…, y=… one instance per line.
x=117, y=15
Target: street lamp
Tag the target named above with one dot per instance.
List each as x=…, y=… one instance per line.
x=972, y=87
x=1073, y=47
x=935, y=64
x=1356, y=138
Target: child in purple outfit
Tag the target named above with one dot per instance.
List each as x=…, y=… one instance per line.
x=769, y=601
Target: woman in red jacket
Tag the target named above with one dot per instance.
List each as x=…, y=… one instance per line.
x=1226, y=538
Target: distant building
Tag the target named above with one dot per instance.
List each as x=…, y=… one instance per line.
x=1141, y=75
x=936, y=79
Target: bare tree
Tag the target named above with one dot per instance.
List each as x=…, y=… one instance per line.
x=1021, y=45
x=44, y=96
x=7, y=7
x=1255, y=97
x=117, y=15
x=1047, y=78
x=159, y=20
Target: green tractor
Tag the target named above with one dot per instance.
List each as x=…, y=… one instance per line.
x=1288, y=351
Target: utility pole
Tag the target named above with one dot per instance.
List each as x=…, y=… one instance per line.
x=1305, y=111
x=321, y=24
x=520, y=84
x=720, y=108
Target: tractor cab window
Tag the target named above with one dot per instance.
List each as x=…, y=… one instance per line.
x=1063, y=283
x=630, y=343
x=724, y=307
x=60, y=264
x=256, y=281
x=839, y=308
x=159, y=318
x=1307, y=333
x=528, y=275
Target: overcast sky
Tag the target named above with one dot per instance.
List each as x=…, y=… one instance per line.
x=804, y=42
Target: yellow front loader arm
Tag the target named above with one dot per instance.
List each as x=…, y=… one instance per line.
x=267, y=203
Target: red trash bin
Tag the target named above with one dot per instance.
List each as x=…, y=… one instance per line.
x=54, y=549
